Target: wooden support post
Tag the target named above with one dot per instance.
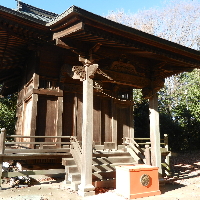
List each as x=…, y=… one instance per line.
x=131, y=128
x=59, y=119
x=2, y=149
x=86, y=188
x=155, y=132
x=33, y=118
x=2, y=140
x=114, y=124
x=131, y=123
x=147, y=155
x=167, y=148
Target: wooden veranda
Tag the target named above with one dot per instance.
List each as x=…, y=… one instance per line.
x=75, y=73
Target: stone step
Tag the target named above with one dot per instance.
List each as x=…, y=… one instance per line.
x=98, y=154
x=68, y=161
x=98, y=176
x=74, y=177
x=71, y=169
x=75, y=184
x=108, y=167
x=111, y=160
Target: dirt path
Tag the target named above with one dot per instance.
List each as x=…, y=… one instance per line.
x=59, y=191
x=184, y=186
x=185, y=189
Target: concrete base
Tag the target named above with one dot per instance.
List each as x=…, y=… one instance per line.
x=85, y=194
x=86, y=190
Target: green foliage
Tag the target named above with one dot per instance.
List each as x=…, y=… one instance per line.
x=8, y=112
x=141, y=119
x=179, y=106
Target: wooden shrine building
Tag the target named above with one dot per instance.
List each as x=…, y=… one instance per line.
x=75, y=72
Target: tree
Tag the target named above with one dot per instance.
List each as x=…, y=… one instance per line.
x=8, y=112
x=177, y=21
x=179, y=101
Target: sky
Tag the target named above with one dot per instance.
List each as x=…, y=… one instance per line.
x=99, y=7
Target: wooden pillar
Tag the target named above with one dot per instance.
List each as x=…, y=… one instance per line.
x=114, y=124
x=2, y=140
x=155, y=132
x=86, y=188
x=59, y=119
x=33, y=118
x=131, y=124
x=167, y=160
x=2, y=149
x=34, y=106
x=147, y=154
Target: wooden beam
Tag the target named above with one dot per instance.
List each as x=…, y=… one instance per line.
x=33, y=151
x=29, y=156
x=60, y=43
x=73, y=29
x=34, y=172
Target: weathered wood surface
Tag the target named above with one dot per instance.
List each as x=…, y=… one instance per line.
x=22, y=136
x=87, y=133
x=155, y=132
x=76, y=152
x=24, y=151
x=33, y=172
x=147, y=154
x=22, y=156
x=68, y=114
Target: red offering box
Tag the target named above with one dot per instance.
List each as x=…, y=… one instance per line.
x=136, y=181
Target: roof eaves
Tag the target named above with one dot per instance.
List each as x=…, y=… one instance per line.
x=121, y=27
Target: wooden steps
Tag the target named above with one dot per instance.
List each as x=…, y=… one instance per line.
x=104, y=172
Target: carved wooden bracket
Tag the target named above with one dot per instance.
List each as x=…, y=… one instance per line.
x=120, y=66
x=92, y=69
x=79, y=72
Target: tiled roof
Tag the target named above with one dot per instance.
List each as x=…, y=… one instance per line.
x=36, y=13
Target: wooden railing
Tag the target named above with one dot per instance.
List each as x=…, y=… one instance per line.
x=134, y=149
x=36, y=146
x=140, y=150
x=21, y=150
x=145, y=144
x=76, y=152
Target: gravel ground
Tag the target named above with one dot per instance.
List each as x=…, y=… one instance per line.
x=185, y=185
